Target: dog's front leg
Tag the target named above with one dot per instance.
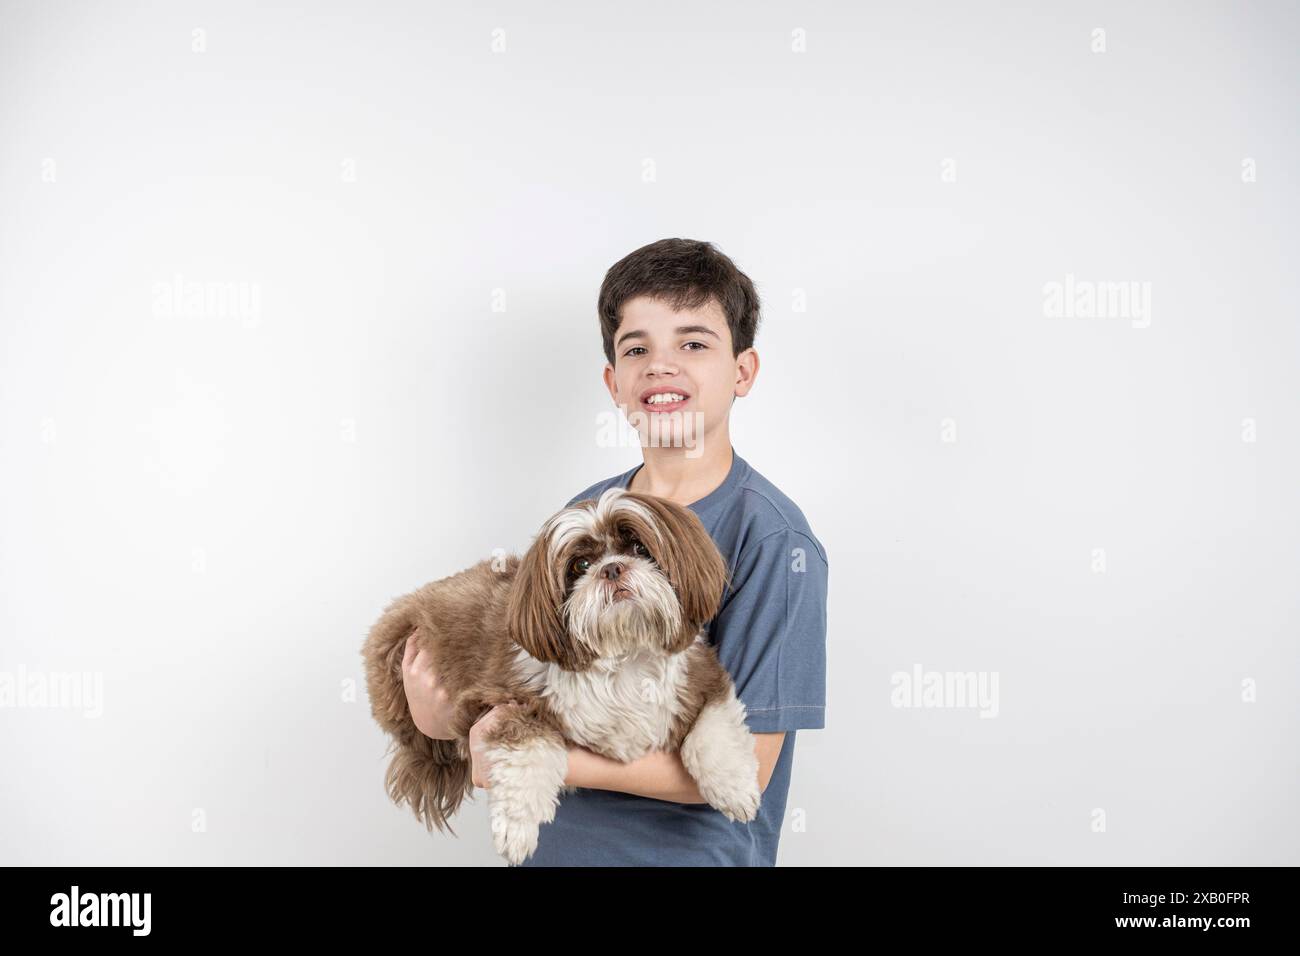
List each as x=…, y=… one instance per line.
x=718, y=753
x=529, y=760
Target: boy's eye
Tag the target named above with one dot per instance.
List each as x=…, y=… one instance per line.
x=641, y=348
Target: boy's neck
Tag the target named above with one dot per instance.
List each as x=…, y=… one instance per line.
x=670, y=473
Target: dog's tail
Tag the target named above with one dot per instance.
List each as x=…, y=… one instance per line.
x=432, y=776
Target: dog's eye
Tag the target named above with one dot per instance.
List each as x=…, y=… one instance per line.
x=639, y=548
x=579, y=566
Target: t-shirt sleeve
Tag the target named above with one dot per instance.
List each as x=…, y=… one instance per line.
x=771, y=633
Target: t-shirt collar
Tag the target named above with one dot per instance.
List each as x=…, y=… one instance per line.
x=718, y=494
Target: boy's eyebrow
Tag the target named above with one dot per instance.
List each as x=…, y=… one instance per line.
x=680, y=330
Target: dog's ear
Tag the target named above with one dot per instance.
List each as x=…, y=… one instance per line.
x=695, y=568
x=534, y=615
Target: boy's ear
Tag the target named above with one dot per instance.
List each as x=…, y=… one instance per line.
x=747, y=370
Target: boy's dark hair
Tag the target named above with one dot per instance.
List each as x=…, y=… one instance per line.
x=685, y=274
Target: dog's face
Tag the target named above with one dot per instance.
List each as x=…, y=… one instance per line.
x=607, y=577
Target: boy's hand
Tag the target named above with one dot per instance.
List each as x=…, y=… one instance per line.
x=431, y=707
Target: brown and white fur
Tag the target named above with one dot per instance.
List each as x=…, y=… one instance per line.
x=609, y=655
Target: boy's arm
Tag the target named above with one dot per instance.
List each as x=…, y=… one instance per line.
x=660, y=776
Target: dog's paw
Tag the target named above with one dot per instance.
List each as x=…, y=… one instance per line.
x=719, y=754
x=738, y=802
x=514, y=835
x=526, y=782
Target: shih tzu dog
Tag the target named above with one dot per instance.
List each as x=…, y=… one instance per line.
x=597, y=633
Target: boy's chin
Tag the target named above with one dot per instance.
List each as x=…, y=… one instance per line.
x=671, y=430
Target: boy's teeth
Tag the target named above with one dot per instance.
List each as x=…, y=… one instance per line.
x=663, y=397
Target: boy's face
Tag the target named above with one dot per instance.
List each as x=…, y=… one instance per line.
x=687, y=352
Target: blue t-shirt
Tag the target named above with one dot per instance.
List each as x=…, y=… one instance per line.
x=770, y=635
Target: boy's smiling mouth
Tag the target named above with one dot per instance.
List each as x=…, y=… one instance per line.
x=664, y=398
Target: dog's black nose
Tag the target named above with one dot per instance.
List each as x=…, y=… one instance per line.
x=612, y=570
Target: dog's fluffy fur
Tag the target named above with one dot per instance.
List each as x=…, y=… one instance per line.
x=597, y=632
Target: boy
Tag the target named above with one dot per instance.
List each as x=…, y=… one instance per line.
x=678, y=318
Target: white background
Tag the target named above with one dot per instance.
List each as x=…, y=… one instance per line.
x=208, y=510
